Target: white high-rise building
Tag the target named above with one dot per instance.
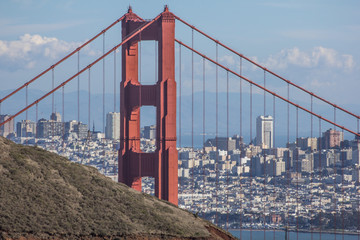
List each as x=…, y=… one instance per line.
x=112, y=128
x=264, y=131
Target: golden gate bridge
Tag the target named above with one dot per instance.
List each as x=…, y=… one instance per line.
x=166, y=96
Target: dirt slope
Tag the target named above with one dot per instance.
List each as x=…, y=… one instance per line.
x=45, y=196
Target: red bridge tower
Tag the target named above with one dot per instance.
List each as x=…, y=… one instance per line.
x=163, y=163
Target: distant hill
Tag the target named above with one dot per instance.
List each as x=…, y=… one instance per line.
x=45, y=196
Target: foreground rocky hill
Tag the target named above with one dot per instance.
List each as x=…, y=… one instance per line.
x=45, y=196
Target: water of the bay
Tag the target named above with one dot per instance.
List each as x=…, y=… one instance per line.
x=279, y=235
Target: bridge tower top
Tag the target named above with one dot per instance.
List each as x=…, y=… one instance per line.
x=133, y=163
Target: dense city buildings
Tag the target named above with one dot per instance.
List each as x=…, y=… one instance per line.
x=227, y=179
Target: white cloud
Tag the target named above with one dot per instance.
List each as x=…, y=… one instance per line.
x=318, y=56
x=227, y=60
x=30, y=49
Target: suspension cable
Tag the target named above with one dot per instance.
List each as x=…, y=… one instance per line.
x=216, y=137
x=115, y=81
x=192, y=121
x=126, y=39
x=52, y=88
x=36, y=120
x=271, y=92
x=89, y=102
x=297, y=173
x=103, y=60
x=251, y=160
x=227, y=149
x=265, y=69
x=63, y=59
x=265, y=161
x=140, y=103
x=274, y=165
x=26, y=122
x=241, y=138
x=78, y=86
x=203, y=156
x=320, y=168
x=180, y=86
x=288, y=162
x=312, y=166
x=63, y=114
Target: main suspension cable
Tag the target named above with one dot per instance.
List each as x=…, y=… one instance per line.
x=63, y=59
x=265, y=69
x=267, y=90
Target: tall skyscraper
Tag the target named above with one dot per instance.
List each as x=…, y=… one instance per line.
x=112, y=128
x=264, y=131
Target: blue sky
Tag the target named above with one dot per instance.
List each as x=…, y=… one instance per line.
x=313, y=43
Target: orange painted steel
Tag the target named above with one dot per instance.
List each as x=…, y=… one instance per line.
x=162, y=164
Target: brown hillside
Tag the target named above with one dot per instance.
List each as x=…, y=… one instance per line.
x=45, y=196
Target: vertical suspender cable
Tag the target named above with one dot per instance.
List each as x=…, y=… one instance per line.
x=297, y=173
x=26, y=122
x=265, y=162
x=115, y=80
x=335, y=174
x=241, y=137
x=63, y=114
x=53, y=102
x=358, y=193
x=203, y=158
x=320, y=169
x=343, y=196
x=251, y=161
x=274, y=165
x=241, y=117
x=288, y=161
x=36, y=120
x=227, y=149
x=216, y=138
x=311, y=165
x=334, y=118
x=89, y=101
x=180, y=133
x=265, y=94
x=192, y=118
x=140, y=88
x=78, y=87
x=103, y=115
x=53, y=109
x=52, y=87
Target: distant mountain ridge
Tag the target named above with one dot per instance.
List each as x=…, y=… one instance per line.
x=45, y=196
x=148, y=116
